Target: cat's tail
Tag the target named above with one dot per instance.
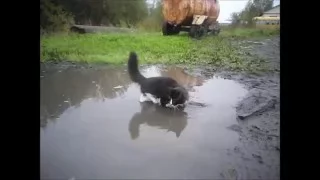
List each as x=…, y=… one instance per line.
x=133, y=69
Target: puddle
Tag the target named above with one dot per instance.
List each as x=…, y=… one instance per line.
x=101, y=131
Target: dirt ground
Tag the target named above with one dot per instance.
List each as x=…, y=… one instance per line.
x=67, y=94
x=258, y=115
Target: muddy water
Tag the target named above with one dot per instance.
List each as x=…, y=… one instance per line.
x=93, y=127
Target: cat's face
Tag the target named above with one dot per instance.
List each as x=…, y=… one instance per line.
x=165, y=101
x=179, y=96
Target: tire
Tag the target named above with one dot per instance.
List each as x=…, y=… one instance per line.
x=192, y=32
x=215, y=32
x=165, y=29
x=176, y=30
x=196, y=31
x=168, y=29
x=218, y=31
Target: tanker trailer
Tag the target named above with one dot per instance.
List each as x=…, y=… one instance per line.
x=194, y=16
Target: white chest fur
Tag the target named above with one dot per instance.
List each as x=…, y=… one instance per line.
x=150, y=97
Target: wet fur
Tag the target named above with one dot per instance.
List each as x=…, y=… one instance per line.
x=164, y=88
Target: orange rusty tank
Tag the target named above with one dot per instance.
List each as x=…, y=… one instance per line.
x=181, y=12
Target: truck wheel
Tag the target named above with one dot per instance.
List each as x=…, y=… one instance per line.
x=215, y=32
x=216, y=29
x=165, y=29
x=192, y=32
x=168, y=29
x=175, y=30
x=196, y=31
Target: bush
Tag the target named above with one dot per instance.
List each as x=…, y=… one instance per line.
x=150, y=24
x=53, y=18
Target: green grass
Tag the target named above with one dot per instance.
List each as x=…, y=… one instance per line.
x=249, y=32
x=152, y=48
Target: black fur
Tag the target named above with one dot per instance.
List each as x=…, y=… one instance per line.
x=164, y=88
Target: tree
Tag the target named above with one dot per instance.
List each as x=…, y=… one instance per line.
x=131, y=12
x=263, y=5
x=54, y=17
x=235, y=18
x=154, y=19
x=96, y=12
x=252, y=9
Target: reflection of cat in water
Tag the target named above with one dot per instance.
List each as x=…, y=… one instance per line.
x=157, y=116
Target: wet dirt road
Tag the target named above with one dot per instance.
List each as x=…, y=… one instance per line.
x=94, y=127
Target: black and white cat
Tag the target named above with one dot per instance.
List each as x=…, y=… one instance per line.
x=160, y=90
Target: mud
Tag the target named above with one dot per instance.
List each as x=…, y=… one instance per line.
x=93, y=126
